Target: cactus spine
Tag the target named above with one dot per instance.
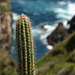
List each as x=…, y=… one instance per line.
x=25, y=46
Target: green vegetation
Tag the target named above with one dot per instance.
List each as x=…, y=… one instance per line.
x=7, y=65
x=25, y=47
x=59, y=61
x=5, y=5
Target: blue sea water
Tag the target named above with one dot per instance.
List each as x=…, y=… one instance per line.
x=45, y=13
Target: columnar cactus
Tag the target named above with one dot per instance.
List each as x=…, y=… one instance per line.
x=25, y=46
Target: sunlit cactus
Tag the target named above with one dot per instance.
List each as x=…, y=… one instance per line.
x=25, y=49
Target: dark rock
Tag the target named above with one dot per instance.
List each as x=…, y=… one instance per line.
x=58, y=35
x=64, y=61
x=72, y=25
x=42, y=27
x=71, y=43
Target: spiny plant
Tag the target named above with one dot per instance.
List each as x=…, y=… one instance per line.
x=25, y=49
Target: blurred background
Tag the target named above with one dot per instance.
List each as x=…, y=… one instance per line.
x=53, y=27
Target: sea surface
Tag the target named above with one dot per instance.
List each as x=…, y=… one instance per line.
x=46, y=13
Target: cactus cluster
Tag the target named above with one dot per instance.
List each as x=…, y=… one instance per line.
x=25, y=49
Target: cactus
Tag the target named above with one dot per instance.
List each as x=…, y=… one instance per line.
x=25, y=49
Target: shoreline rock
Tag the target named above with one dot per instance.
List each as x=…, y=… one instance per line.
x=58, y=35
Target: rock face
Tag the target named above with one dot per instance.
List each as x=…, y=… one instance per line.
x=5, y=26
x=60, y=60
x=7, y=65
x=57, y=35
x=72, y=25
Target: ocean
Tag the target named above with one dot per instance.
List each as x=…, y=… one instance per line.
x=42, y=13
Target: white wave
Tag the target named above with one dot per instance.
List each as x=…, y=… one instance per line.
x=42, y=34
x=15, y=16
x=71, y=9
x=36, y=32
x=49, y=31
x=44, y=41
x=49, y=47
x=66, y=26
x=49, y=28
x=43, y=37
x=63, y=16
x=67, y=12
x=60, y=10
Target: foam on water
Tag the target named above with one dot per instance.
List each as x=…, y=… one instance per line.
x=43, y=37
x=63, y=16
x=71, y=9
x=63, y=11
x=36, y=32
x=66, y=13
x=49, y=47
x=15, y=16
x=60, y=10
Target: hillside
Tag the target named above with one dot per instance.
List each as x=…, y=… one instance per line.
x=59, y=61
x=7, y=65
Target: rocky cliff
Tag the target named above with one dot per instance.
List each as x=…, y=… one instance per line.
x=58, y=35
x=5, y=25
x=7, y=65
x=60, y=60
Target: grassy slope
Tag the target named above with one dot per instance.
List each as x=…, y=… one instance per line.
x=7, y=65
x=59, y=61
